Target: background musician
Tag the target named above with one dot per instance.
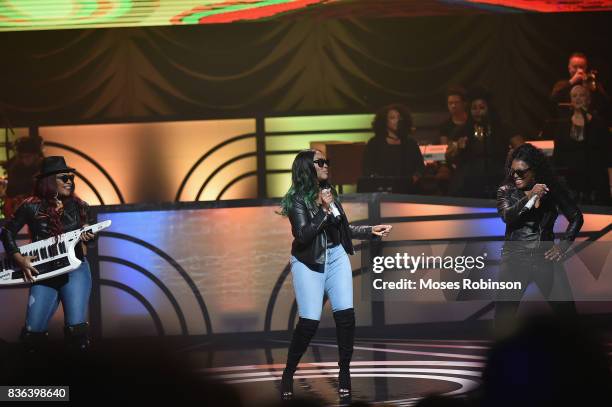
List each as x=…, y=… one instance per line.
x=582, y=150
x=580, y=74
x=477, y=149
x=392, y=152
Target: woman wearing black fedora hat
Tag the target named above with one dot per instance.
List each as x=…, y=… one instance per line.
x=53, y=209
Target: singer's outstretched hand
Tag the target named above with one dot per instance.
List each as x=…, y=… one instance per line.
x=381, y=230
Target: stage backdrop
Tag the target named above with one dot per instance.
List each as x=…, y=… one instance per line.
x=199, y=160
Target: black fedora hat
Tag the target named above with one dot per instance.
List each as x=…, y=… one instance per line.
x=53, y=165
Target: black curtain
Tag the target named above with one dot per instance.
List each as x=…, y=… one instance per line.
x=298, y=66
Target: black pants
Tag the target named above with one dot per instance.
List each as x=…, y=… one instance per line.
x=527, y=266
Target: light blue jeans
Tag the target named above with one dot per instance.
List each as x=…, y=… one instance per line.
x=72, y=289
x=336, y=280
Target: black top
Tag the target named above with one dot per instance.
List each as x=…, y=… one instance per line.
x=449, y=128
x=332, y=228
x=390, y=161
x=590, y=151
x=486, y=155
x=384, y=159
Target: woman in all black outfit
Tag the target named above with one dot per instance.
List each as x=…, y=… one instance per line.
x=583, y=150
x=392, y=152
x=477, y=150
x=530, y=253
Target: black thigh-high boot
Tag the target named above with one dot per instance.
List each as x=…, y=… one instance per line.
x=345, y=334
x=77, y=337
x=34, y=342
x=302, y=334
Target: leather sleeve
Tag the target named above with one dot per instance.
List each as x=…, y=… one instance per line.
x=508, y=208
x=570, y=210
x=303, y=229
x=362, y=232
x=12, y=226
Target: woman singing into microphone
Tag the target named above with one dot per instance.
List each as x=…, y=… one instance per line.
x=319, y=262
x=529, y=203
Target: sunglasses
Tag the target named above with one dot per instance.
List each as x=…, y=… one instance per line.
x=519, y=173
x=321, y=163
x=65, y=178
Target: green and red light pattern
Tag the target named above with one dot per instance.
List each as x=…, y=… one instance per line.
x=18, y=15
x=230, y=11
x=551, y=6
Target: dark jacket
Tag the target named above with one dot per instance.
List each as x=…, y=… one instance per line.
x=536, y=224
x=31, y=213
x=310, y=240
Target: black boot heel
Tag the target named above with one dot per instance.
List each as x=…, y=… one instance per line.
x=287, y=385
x=302, y=334
x=344, y=383
x=345, y=334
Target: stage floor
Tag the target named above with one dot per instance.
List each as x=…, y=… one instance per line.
x=391, y=366
x=391, y=371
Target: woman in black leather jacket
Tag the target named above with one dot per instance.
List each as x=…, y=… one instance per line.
x=529, y=203
x=319, y=262
x=51, y=211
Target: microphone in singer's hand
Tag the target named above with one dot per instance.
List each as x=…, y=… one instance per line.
x=529, y=204
x=326, y=187
x=531, y=201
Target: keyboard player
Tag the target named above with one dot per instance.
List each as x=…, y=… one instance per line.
x=53, y=209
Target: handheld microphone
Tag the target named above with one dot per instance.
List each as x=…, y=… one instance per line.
x=325, y=186
x=529, y=204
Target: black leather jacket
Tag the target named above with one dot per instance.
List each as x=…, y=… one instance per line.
x=536, y=224
x=30, y=213
x=310, y=240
